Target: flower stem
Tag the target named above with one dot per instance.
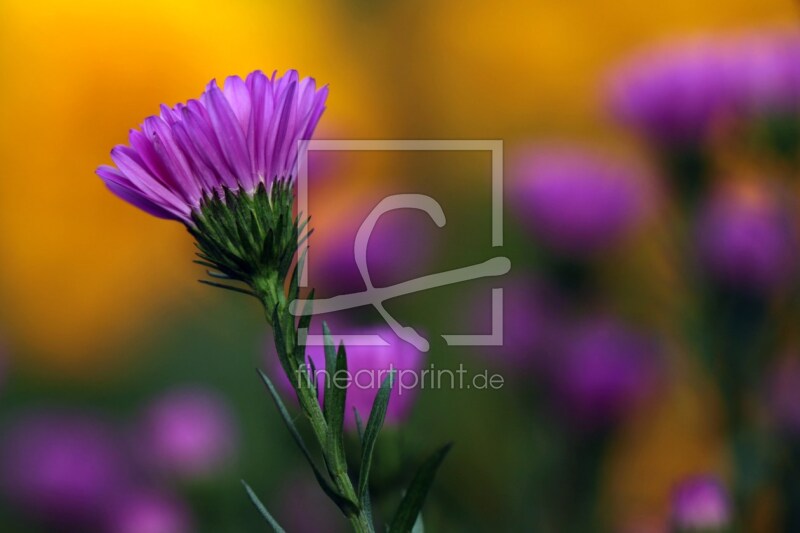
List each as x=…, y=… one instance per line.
x=292, y=356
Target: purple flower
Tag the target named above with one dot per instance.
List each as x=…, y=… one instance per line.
x=148, y=512
x=577, y=202
x=700, y=503
x=62, y=468
x=674, y=94
x=400, y=248
x=367, y=367
x=783, y=395
x=530, y=320
x=767, y=72
x=604, y=371
x=746, y=240
x=235, y=138
x=188, y=432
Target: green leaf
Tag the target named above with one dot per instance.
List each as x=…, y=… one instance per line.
x=330, y=369
x=374, y=424
x=305, y=319
x=408, y=511
x=366, y=501
x=338, y=394
x=312, y=368
x=346, y=505
x=335, y=399
x=262, y=509
x=359, y=426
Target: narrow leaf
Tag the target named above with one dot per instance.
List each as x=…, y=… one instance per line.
x=374, y=424
x=347, y=506
x=330, y=370
x=262, y=509
x=335, y=399
x=359, y=426
x=408, y=511
x=305, y=319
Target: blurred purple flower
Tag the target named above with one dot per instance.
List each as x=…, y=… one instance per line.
x=578, y=202
x=238, y=137
x=401, y=247
x=700, y=503
x=783, y=395
x=605, y=371
x=188, y=432
x=62, y=468
x=367, y=367
x=767, y=72
x=674, y=94
x=148, y=512
x=747, y=240
x=530, y=316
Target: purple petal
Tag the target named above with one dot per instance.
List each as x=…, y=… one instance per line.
x=230, y=135
x=165, y=145
x=263, y=105
x=116, y=184
x=202, y=135
x=238, y=97
x=280, y=126
x=128, y=164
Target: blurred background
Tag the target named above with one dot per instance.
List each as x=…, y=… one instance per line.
x=651, y=360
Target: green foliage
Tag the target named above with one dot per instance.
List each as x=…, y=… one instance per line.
x=408, y=512
x=253, y=239
x=262, y=509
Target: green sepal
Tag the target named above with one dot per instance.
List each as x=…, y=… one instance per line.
x=249, y=237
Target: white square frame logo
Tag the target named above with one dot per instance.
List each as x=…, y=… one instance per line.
x=495, y=147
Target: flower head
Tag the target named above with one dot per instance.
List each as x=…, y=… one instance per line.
x=746, y=240
x=223, y=165
x=700, y=503
x=188, y=432
x=674, y=94
x=577, y=202
x=237, y=138
x=61, y=467
x=767, y=73
x=605, y=369
x=531, y=321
